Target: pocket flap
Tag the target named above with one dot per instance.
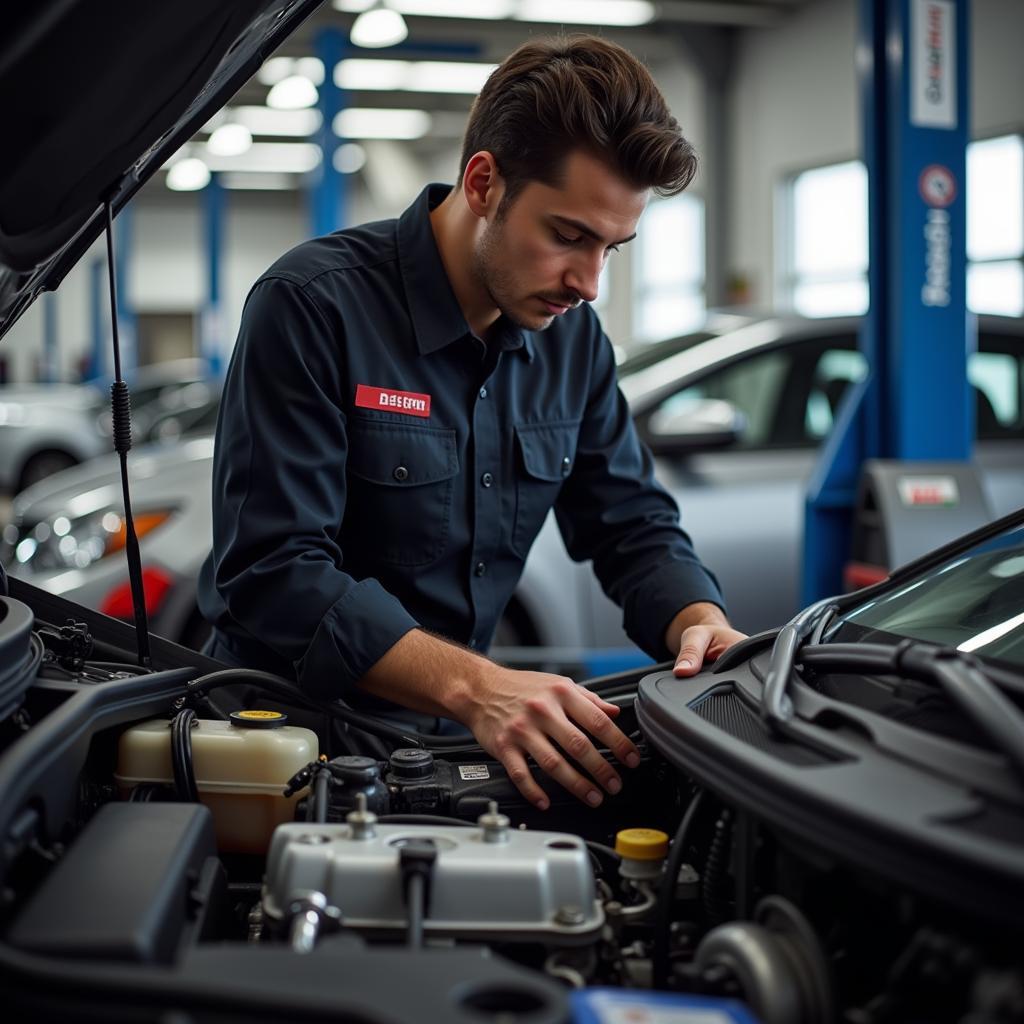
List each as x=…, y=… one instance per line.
x=400, y=456
x=548, y=449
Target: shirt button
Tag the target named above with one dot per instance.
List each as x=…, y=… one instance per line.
x=483, y=392
x=566, y=465
x=487, y=479
x=480, y=569
x=401, y=473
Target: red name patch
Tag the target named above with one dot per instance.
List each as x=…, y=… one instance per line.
x=407, y=402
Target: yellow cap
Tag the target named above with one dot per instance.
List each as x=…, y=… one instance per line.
x=641, y=844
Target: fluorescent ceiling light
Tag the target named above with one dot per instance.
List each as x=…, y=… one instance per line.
x=188, y=175
x=288, y=123
x=570, y=12
x=276, y=69
x=349, y=157
x=364, y=73
x=273, y=157
x=292, y=93
x=262, y=181
x=231, y=139
x=587, y=12
x=412, y=75
x=379, y=26
x=365, y=123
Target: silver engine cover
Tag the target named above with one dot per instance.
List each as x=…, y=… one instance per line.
x=534, y=886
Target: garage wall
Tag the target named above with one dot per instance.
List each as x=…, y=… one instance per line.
x=793, y=104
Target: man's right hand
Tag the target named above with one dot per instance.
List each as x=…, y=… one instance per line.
x=514, y=715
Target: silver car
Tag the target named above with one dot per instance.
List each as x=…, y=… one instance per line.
x=45, y=428
x=734, y=413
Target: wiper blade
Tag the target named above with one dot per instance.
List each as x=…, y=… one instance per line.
x=776, y=706
x=960, y=676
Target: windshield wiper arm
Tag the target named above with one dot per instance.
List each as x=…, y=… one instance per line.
x=960, y=676
x=775, y=704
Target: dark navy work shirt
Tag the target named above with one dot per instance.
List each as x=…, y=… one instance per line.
x=379, y=467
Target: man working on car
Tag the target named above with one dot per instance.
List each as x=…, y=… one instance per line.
x=408, y=399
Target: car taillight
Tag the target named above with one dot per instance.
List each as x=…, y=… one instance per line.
x=155, y=584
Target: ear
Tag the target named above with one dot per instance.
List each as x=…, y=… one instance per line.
x=482, y=185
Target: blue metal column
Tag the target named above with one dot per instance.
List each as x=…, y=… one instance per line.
x=327, y=192
x=127, y=325
x=49, y=369
x=912, y=59
x=211, y=321
x=98, y=346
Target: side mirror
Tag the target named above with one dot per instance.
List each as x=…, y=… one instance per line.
x=704, y=424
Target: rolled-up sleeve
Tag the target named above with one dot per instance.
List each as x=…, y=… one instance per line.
x=279, y=497
x=613, y=511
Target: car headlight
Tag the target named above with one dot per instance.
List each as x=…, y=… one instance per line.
x=63, y=543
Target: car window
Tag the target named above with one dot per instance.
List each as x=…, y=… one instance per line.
x=836, y=370
x=753, y=386
x=996, y=373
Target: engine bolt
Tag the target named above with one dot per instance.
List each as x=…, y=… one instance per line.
x=570, y=915
x=361, y=821
x=494, y=823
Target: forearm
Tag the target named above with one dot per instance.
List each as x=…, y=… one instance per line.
x=700, y=613
x=427, y=674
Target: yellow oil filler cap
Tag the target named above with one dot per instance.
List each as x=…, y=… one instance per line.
x=642, y=844
x=643, y=852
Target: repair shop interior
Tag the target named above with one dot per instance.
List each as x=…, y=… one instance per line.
x=512, y=512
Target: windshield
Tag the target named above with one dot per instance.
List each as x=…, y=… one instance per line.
x=974, y=603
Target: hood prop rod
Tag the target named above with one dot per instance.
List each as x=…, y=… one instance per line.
x=121, y=409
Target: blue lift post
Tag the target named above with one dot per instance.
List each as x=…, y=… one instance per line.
x=126, y=322
x=98, y=347
x=327, y=211
x=912, y=60
x=211, y=322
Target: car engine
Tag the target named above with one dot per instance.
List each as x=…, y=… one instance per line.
x=163, y=857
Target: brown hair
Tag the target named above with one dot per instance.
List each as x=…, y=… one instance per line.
x=552, y=96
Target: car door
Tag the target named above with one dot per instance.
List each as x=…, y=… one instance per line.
x=743, y=504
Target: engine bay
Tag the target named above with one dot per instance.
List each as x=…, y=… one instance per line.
x=281, y=860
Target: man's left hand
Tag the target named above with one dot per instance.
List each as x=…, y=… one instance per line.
x=700, y=633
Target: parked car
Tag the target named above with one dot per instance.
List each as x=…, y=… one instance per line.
x=45, y=428
x=735, y=414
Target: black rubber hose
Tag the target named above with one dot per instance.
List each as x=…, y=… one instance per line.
x=181, y=756
x=289, y=692
x=321, y=793
x=716, y=864
x=667, y=894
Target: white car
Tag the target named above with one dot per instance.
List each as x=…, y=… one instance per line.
x=45, y=428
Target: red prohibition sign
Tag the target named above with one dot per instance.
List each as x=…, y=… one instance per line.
x=937, y=185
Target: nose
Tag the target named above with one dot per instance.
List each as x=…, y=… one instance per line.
x=583, y=274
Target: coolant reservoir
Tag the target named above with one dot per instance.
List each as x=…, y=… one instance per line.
x=241, y=767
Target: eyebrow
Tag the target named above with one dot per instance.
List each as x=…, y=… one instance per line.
x=589, y=231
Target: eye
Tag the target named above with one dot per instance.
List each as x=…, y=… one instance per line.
x=612, y=248
x=562, y=240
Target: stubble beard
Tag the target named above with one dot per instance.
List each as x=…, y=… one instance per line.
x=498, y=280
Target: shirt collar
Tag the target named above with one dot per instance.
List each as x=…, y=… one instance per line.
x=437, y=318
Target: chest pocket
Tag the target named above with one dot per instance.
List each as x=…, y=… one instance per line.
x=400, y=481
x=546, y=453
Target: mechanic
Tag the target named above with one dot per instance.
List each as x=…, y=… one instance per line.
x=408, y=399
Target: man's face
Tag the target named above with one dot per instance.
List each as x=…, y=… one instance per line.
x=544, y=254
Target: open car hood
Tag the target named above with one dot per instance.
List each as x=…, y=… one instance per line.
x=98, y=97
